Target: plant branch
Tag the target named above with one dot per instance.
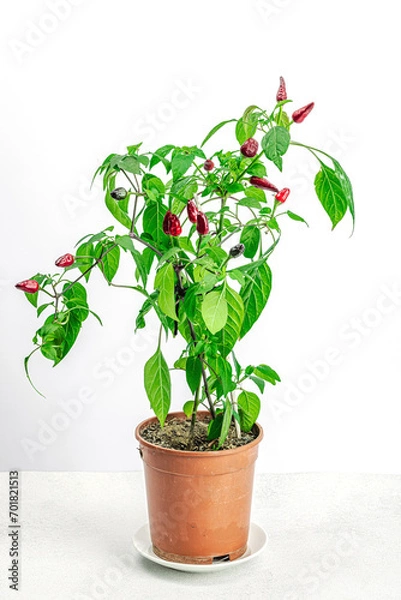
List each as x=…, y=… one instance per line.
x=144, y=242
x=131, y=182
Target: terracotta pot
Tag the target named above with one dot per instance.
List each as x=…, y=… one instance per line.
x=199, y=503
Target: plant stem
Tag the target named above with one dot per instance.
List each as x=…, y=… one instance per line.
x=133, y=236
x=312, y=150
x=131, y=182
x=223, y=203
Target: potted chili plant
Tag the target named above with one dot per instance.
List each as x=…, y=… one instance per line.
x=200, y=230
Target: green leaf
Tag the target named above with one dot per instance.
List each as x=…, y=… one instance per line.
x=250, y=237
x=282, y=119
x=223, y=372
x=267, y=373
x=330, y=191
x=347, y=189
x=193, y=372
x=256, y=193
x=159, y=156
x=214, y=428
x=225, y=425
x=75, y=296
x=158, y=385
x=214, y=310
x=251, y=202
x=140, y=265
x=188, y=408
x=72, y=327
x=250, y=121
x=125, y=242
x=131, y=164
x=133, y=149
x=180, y=163
x=150, y=303
x=96, y=237
x=237, y=366
x=153, y=187
x=181, y=363
x=255, y=293
x=258, y=169
x=296, y=217
x=85, y=258
x=148, y=256
x=240, y=132
x=184, y=189
x=164, y=282
x=237, y=275
x=152, y=222
x=115, y=208
x=229, y=334
x=249, y=408
x=215, y=129
x=234, y=188
x=110, y=259
x=273, y=224
x=43, y=307
x=26, y=368
x=275, y=144
x=259, y=382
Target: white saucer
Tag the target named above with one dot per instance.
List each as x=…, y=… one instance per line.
x=256, y=542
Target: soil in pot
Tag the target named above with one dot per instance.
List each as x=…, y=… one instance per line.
x=175, y=435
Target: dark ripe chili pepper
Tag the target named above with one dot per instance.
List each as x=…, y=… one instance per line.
x=171, y=224
x=29, y=286
x=65, y=261
x=282, y=91
x=283, y=195
x=202, y=224
x=119, y=193
x=192, y=211
x=250, y=148
x=209, y=165
x=299, y=115
x=263, y=184
x=237, y=250
x=167, y=222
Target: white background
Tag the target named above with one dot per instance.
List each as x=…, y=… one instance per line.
x=101, y=75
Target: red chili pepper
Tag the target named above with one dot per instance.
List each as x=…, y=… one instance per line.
x=283, y=195
x=171, y=224
x=202, y=224
x=29, y=286
x=299, y=115
x=250, y=148
x=192, y=211
x=65, y=261
x=263, y=184
x=282, y=91
x=209, y=165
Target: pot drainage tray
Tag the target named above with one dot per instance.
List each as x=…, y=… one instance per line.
x=256, y=542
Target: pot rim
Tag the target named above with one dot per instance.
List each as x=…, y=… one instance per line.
x=193, y=453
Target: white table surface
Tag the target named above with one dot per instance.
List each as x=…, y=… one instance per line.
x=331, y=537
